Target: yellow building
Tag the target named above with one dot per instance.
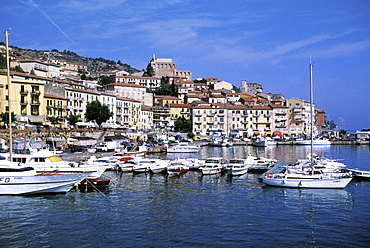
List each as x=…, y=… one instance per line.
x=26, y=95
x=179, y=110
x=56, y=107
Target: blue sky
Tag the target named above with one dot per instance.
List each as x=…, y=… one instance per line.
x=269, y=42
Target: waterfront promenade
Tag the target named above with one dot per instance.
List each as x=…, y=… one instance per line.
x=43, y=134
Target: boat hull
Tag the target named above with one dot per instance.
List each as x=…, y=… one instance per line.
x=40, y=184
x=314, y=183
x=314, y=142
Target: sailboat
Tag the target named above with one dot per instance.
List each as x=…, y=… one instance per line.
x=307, y=177
x=20, y=179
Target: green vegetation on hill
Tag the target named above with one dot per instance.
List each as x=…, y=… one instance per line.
x=93, y=64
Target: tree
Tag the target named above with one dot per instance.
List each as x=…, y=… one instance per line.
x=97, y=112
x=104, y=80
x=5, y=117
x=54, y=120
x=164, y=88
x=150, y=72
x=182, y=124
x=73, y=119
x=17, y=68
x=2, y=62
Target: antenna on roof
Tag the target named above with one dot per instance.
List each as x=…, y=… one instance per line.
x=153, y=55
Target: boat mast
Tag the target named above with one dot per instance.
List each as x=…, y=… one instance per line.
x=311, y=111
x=8, y=81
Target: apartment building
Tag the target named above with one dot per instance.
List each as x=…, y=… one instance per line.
x=299, y=117
x=56, y=106
x=41, y=69
x=210, y=118
x=26, y=96
x=131, y=91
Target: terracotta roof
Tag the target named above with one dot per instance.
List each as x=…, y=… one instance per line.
x=54, y=96
x=126, y=85
x=174, y=105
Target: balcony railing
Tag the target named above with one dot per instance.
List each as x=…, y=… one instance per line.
x=35, y=92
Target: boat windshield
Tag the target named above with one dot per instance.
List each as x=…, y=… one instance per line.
x=211, y=161
x=236, y=161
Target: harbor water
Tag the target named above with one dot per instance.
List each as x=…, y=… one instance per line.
x=194, y=211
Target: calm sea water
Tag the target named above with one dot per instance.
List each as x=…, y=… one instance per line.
x=195, y=211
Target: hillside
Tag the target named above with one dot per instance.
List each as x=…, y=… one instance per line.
x=93, y=64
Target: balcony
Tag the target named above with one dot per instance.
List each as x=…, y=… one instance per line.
x=35, y=92
x=281, y=112
x=35, y=103
x=280, y=126
x=23, y=103
x=24, y=93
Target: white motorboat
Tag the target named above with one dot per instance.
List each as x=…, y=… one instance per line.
x=315, y=142
x=159, y=166
x=126, y=164
x=17, y=179
x=221, y=142
x=142, y=166
x=46, y=161
x=176, y=167
x=259, y=164
x=238, y=167
x=212, y=166
x=183, y=148
x=107, y=162
x=360, y=175
x=264, y=142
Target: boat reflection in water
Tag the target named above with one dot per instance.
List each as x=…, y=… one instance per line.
x=314, y=207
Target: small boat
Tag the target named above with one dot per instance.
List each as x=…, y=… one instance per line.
x=264, y=142
x=212, y=166
x=183, y=148
x=142, y=166
x=159, y=166
x=176, y=167
x=238, y=167
x=126, y=164
x=106, y=162
x=260, y=164
x=360, y=175
x=315, y=142
x=90, y=184
x=221, y=142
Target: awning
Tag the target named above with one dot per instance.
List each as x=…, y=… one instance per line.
x=88, y=124
x=35, y=118
x=22, y=118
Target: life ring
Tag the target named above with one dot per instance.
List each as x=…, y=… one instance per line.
x=269, y=174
